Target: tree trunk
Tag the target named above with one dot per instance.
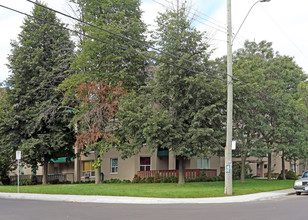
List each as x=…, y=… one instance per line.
x=98, y=179
x=283, y=172
x=269, y=166
x=181, y=171
x=45, y=170
x=243, y=171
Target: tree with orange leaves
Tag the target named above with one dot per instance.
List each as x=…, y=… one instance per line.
x=94, y=118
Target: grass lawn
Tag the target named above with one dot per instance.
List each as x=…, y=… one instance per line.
x=162, y=190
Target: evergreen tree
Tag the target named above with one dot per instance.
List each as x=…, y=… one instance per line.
x=39, y=61
x=7, y=152
x=179, y=110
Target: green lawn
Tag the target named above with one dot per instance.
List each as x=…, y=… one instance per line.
x=163, y=190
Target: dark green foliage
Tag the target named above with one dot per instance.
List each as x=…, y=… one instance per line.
x=113, y=181
x=97, y=60
x=178, y=110
x=150, y=179
x=5, y=180
x=136, y=179
x=126, y=181
x=54, y=181
x=290, y=175
x=236, y=172
x=39, y=61
x=222, y=176
x=202, y=177
x=7, y=139
x=33, y=180
x=157, y=178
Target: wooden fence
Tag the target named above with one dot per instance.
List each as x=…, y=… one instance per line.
x=189, y=173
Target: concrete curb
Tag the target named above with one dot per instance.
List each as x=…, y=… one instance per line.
x=145, y=200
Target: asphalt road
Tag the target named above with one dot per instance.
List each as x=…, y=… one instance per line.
x=288, y=208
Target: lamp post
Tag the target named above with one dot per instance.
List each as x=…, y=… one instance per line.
x=228, y=150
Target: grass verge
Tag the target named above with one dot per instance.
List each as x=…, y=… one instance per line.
x=160, y=190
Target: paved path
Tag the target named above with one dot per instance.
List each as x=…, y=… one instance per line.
x=146, y=200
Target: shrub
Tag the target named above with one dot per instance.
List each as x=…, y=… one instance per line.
x=203, y=177
x=157, y=178
x=112, y=181
x=173, y=179
x=115, y=181
x=222, y=176
x=290, y=175
x=22, y=182
x=149, y=180
x=136, y=179
x=5, y=180
x=190, y=180
x=126, y=181
x=55, y=181
x=165, y=179
x=33, y=180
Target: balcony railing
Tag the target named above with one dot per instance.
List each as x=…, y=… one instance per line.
x=189, y=173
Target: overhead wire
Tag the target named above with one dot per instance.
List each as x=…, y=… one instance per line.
x=215, y=28
x=286, y=35
x=145, y=55
x=112, y=44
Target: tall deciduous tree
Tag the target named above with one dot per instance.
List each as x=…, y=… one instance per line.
x=116, y=21
x=179, y=110
x=266, y=122
x=38, y=62
x=249, y=65
x=98, y=104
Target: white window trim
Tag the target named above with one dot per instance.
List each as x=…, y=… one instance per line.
x=114, y=166
x=88, y=173
x=209, y=162
x=145, y=165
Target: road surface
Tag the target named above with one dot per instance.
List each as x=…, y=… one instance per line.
x=288, y=208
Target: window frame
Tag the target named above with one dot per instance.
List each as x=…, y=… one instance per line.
x=88, y=173
x=205, y=163
x=145, y=166
x=116, y=167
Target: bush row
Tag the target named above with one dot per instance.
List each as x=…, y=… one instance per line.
x=171, y=179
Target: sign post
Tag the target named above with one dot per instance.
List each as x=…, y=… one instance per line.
x=18, y=157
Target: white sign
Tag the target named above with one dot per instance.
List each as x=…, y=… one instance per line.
x=233, y=145
x=18, y=155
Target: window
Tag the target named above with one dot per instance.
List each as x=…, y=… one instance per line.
x=88, y=169
x=145, y=163
x=114, y=165
x=203, y=163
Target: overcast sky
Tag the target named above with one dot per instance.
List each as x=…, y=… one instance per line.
x=283, y=22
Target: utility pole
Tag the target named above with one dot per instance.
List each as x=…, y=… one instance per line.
x=228, y=150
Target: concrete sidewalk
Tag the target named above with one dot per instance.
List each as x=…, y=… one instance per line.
x=146, y=200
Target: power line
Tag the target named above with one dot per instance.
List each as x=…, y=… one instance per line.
x=287, y=36
x=111, y=32
x=200, y=15
x=112, y=44
x=223, y=31
x=151, y=57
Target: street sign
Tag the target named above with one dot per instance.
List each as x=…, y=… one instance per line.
x=233, y=145
x=18, y=155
